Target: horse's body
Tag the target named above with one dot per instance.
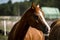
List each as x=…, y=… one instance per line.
x=32, y=17
x=55, y=31
x=34, y=34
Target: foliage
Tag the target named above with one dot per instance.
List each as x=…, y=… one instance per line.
x=6, y=9
x=24, y=6
x=15, y=9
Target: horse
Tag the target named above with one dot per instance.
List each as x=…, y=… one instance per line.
x=54, y=22
x=55, y=30
x=32, y=17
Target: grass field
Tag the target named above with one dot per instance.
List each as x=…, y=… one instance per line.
x=8, y=28
x=9, y=24
x=2, y=37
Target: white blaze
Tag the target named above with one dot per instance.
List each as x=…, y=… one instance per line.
x=43, y=19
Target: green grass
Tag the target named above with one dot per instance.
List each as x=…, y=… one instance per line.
x=2, y=37
x=8, y=28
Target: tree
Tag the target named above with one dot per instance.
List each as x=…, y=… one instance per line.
x=24, y=6
x=53, y=3
x=16, y=9
x=35, y=1
x=10, y=7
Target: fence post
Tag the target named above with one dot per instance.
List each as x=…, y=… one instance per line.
x=5, y=27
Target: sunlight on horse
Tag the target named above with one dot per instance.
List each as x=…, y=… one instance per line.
x=55, y=31
x=33, y=17
x=34, y=34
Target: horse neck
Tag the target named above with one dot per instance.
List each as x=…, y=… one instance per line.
x=22, y=26
x=21, y=29
x=24, y=31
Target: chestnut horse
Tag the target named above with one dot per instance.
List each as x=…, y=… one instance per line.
x=33, y=17
x=55, y=30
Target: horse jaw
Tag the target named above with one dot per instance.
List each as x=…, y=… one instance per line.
x=43, y=19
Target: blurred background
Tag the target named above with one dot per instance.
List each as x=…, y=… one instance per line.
x=12, y=10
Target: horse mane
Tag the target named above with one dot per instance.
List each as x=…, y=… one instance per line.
x=26, y=10
x=20, y=27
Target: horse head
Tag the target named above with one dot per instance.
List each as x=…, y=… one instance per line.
x=36, y=17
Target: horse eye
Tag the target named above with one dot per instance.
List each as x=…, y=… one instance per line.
x=36, y=17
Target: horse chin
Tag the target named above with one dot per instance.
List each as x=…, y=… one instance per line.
x=44, y=29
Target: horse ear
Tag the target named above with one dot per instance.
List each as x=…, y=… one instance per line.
x=38, y=6
x=33, y=5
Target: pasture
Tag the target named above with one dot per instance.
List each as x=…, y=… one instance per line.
x=10, y=24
